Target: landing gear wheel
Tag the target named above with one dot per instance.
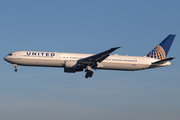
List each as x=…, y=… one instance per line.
x=88, y=73
x=15, y=70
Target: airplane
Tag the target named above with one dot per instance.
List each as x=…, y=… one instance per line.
x=75, y=62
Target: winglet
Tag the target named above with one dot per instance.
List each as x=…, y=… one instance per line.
x=160, y=51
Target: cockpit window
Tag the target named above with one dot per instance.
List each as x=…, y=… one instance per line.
x=10, y=54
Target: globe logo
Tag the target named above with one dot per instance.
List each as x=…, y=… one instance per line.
x=157, y=53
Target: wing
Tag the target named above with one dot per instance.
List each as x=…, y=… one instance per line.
x=92, y=60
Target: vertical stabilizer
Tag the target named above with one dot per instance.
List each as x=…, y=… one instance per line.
x=160, y=51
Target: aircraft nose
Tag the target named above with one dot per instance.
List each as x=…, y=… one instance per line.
x=6, y=58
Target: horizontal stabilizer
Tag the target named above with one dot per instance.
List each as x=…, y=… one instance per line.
x=160, y=62
x=163, y=61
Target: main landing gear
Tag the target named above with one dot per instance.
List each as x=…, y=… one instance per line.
x=89, y=73
x=15, y=66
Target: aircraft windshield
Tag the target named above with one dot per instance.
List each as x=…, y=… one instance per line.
x=10, y=54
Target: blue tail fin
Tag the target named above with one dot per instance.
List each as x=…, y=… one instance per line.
x=160, y=51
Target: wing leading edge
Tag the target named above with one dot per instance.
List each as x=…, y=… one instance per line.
x=97, y=57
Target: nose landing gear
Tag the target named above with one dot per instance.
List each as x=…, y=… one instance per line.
x=15, y=66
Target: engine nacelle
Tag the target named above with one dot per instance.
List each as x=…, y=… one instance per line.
x=70, y=66
x=69, y=70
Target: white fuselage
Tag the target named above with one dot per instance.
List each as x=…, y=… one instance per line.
x=57, y=59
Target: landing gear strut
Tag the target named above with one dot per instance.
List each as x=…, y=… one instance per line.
x=15, y=66
x=89, y=73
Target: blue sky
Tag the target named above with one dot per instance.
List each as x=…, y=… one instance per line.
x=89, y=27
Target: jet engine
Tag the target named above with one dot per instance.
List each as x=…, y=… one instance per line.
x=70, y=66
